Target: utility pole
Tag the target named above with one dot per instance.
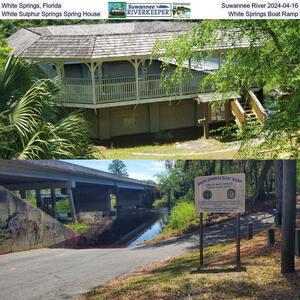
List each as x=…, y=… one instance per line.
x=288, y=217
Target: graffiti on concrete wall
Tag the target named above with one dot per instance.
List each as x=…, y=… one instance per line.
x=28, y=227
x=4, y=232
x=17, y=221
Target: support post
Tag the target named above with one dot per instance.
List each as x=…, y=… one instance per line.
x=72, y=206
x=201, y=240
x=180, y=88
x=271, y=237
x=92, y=70
x=238, y=241
x=53, y=203
x=100, y=77
x=23, y=194
x=288, y=216
x=108, y=203
x=219, y=60
x=59, y=70
x=297, y=248
x=206, y=119
x=136, y=71
x=38, y=198
x=250, y=231
x=278, y=219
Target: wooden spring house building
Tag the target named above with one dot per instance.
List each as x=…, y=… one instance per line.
x=106, y=71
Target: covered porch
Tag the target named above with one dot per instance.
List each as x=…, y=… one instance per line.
x=113, y=83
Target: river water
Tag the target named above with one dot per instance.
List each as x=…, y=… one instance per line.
x=151, y=232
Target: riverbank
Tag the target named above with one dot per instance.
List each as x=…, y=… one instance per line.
x=268, y=204
x=179, y=278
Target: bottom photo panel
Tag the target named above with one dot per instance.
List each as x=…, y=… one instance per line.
x=182, y=229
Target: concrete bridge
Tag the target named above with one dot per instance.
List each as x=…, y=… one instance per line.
x=86, y=189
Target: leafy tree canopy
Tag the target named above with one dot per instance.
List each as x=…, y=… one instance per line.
x=262, y=52
x=118, y=168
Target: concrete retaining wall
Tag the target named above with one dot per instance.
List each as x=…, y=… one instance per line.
x=25, y=227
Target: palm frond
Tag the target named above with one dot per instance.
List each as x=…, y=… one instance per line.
x=15, y=78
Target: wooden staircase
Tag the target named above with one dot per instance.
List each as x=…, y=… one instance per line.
x=247, y=109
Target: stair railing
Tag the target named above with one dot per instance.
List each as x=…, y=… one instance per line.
x=238, y=112
x=255, y=104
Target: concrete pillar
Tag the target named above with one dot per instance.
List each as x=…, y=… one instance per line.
x=38, y=198
x=72, y=206
x=108, y=202
x=154, y=117
x=53, y=203
x=92, y=198
x=104, y=123
x=23, y=194
x=141, y=199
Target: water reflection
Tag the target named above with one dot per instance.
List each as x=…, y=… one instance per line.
x=150, y=233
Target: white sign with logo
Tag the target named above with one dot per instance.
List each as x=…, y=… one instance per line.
x=220, y=193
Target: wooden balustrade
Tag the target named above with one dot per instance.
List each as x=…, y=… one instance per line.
x=238, y=111
x=107, y=90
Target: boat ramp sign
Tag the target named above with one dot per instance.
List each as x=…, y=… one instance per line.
x=220, y=193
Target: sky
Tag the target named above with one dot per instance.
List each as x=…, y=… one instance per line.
x=137, y=169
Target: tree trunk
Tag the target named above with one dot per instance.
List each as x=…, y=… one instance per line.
x=212, y=168
x=260, y=187
x=288, y=217
x=278, y=184
x=221, y=167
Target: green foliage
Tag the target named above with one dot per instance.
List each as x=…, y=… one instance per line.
x=183, y=213
x=178, y=183
x=118, y=168
x=163, y=202
x=272, y=57
x=80, y=228
x=33, y=123
x=226, y=133
x=63, y=206
x=31, y=200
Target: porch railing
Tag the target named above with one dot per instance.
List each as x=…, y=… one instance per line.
x=110, y=90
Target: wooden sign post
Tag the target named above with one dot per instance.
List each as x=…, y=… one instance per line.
x=238, y=241
x=220, y=194
x=201, y=239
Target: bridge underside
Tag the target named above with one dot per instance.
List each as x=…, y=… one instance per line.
x=83, y=195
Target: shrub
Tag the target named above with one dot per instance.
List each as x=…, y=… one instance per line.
x=81, y=228
x=183, y=213
x=63, y=206
x=226, y=133
x=163, y=202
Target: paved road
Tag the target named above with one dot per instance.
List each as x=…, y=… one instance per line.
x=62, y=274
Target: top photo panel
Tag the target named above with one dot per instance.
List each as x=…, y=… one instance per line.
x=162, y=90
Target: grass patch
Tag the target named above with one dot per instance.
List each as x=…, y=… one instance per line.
x=260, y=277
x=178, y=150
x=80, y=228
